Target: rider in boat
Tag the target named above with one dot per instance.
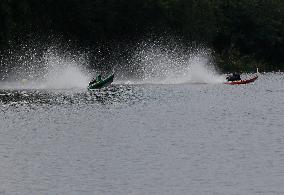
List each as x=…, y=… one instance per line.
x=96, y=80
x=234, y=77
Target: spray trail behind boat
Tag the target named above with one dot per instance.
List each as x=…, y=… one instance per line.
x=159, y=64
x=52, y=71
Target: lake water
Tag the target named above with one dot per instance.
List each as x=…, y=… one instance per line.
x=142, y=139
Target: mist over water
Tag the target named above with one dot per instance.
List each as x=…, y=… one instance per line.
x=63, y=73
x=150, y=63
x=53, y=71
x=154, y=63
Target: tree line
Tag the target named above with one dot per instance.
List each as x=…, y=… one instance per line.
x=242, y=33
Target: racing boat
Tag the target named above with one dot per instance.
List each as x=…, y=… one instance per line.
x=239, y=82
x=102, y=83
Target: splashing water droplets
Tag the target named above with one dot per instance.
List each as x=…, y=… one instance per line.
x=53, y=70
x=64, y=73
x=159, y=64
x=165, y=66
x=150, y=63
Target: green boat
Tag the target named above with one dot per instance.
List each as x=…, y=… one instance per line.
x=102, y=83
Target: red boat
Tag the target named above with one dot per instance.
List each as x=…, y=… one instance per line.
x=242, y=81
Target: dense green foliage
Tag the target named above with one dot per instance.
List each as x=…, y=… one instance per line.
x=241, y=32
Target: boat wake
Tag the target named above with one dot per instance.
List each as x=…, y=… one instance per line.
x=156, y=64
x=151, y=63
x=54, y=72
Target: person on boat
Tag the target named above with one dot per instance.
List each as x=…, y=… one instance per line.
x=234, y=77
x=99, y=78
x=96, y=80
x=93, y=81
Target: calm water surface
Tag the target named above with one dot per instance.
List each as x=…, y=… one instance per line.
x=144, y=139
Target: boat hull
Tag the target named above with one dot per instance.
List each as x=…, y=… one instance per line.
x=101, y=84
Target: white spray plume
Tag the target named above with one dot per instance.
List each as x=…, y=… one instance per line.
x=64, y=72
x=160, y=65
